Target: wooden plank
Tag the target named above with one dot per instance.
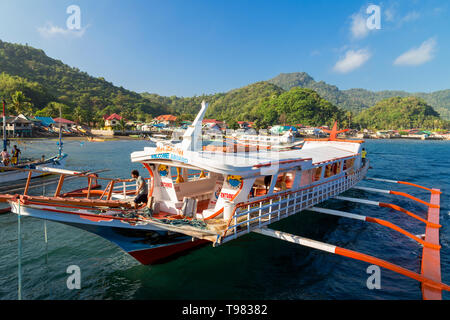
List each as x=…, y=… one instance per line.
x=431, y=258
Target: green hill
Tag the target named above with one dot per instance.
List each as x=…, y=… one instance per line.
x=356, y=100
x=32, y=82
x=44, y=80
x=238, y=104
x=299, y=106
x=401, y=113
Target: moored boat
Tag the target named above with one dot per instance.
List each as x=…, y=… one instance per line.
x=196, y=196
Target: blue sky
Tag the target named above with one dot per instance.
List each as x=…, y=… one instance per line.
x=192, y=47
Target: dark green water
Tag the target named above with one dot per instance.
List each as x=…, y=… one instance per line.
x=253, y=267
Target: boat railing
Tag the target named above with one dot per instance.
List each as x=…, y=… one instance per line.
x=247, y=216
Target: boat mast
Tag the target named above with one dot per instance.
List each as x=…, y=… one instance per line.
x=4, y=126
x=60, y=134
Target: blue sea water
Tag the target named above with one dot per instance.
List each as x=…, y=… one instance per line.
x=253, y=267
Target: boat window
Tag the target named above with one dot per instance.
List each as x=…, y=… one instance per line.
x=284, y=182
x=261, y=186
x=317, y=173
x=349, y=163
x=337, y=168
x=307, y=177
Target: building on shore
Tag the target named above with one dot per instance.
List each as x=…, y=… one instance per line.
x=166, y=119
x=112, y=121
x=18, y=127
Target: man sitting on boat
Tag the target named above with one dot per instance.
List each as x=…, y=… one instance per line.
x=5, y=157
x=141, y=188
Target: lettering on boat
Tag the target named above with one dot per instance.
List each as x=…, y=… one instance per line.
x=169, y=156
x=226, y=195
x=169, y=149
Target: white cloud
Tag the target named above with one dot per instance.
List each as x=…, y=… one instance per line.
x=352, y=60
x=50, y=30
x=411, y=16
x=359, y=28
x=418, y=56
x=389, y=14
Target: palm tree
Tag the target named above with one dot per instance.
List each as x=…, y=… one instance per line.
x=21, y=104
x=349, y=116
x=78, y=115
x=122, y=124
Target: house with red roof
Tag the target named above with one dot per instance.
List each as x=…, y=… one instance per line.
x=166, y=119
x=112, y=120
x=65, y=124
x=214, y=124
x=245, y=124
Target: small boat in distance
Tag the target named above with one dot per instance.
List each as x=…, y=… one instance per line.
x=43, y=164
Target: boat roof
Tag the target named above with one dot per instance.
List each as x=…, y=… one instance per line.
x=240, y=162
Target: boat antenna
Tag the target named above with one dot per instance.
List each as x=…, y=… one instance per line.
x=60, y=133
x=4, y=126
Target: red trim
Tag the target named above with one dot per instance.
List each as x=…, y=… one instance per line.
x=160, y=254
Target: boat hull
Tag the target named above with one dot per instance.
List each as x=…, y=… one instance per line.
x=13, y=175
x=144, y=242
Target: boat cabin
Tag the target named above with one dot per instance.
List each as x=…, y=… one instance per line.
x=199, y=184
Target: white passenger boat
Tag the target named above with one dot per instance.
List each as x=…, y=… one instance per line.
x=198, y=196
x=188, y=184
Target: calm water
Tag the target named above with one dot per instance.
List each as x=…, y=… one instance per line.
x=253, y=267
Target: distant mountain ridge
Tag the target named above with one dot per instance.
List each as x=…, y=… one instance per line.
x=45, y=84
x=356, y=100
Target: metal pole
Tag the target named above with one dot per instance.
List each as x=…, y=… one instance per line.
x=4, y=126
x=19, y=263
x=60, y=134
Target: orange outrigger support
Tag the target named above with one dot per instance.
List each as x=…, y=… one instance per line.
x=430, y=273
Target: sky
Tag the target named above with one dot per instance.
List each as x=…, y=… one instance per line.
x=191, y=47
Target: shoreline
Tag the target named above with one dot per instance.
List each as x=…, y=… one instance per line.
x=127, y=138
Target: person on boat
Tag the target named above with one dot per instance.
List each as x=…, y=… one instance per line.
x=5, y=157
x=267, y=181
x=141, y=188
x=15, y=155
x=363, y=156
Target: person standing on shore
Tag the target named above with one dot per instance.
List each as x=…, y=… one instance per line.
x=15, y=155
x=5, y=157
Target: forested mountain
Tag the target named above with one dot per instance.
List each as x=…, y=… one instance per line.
x=356, y=100
x=33, y=83
x=400, y=113
x=45, y=81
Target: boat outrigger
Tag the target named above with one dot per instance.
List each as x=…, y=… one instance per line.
x=198, y=196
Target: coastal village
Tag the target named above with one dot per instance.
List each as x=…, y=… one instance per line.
x=167, y=126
